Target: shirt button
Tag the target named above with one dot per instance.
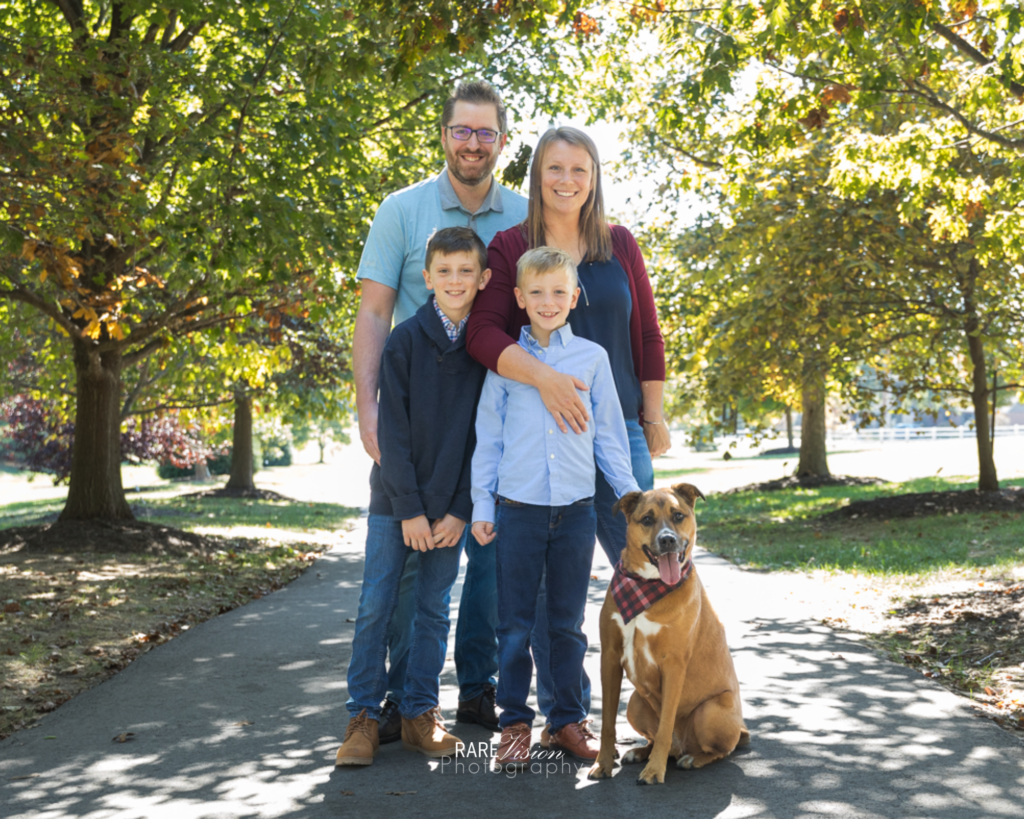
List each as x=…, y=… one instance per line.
x=440, y=358
x=550, y=431
x=552, y=457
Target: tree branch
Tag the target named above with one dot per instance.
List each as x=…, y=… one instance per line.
x=184, y=40
x=923, y=91
x=72, y=11
x=965, y=48
x=49, y=310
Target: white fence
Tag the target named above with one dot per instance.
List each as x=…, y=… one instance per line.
x=913, y=433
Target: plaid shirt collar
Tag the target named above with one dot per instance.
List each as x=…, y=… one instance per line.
x=450, y=327
x=634, y=595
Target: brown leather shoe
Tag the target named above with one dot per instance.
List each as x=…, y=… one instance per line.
x=427, y=735
x=577, y=741
x=360, y=745
x=514, y=747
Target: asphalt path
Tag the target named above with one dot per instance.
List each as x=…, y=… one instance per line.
x=241, y=717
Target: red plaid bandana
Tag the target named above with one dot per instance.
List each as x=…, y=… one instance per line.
x=634, y=595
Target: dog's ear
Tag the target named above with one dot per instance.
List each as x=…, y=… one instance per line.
x=688, y=492
x=627, y=503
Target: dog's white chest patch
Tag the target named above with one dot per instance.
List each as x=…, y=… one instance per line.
x=632, y=648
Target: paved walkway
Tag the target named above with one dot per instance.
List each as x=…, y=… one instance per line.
x=241, y=716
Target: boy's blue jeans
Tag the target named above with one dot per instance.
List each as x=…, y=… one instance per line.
x=531, y=541
x=611, y=534
x=476, y=646
x=386, y=554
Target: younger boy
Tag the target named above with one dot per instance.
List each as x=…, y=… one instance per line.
x=419, y=499
x=541, y=484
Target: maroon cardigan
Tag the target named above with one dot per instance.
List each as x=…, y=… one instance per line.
x=496, y=319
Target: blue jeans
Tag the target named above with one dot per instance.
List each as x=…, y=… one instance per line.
x=532, y=540
x=386, y=555
x=476, y=642
x=611, y=534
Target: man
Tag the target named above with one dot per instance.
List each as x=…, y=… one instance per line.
x=473, y=133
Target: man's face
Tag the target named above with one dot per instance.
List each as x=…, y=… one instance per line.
x=472, y=162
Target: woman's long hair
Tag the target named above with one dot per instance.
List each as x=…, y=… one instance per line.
x=593, y=227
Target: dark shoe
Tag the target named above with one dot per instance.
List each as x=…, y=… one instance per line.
x=577, y=741
x=514, y=747
x=480, y=710
x=390, y=723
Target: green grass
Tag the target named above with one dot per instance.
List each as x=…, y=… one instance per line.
x=782, y=530
x=191, y=511
x=677, y=473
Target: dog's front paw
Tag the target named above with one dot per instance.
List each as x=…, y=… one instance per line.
x=636, y=755
x=651, y=776
x=601, y=770
x=685, y=762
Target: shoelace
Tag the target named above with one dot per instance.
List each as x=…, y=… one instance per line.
x=361, y=725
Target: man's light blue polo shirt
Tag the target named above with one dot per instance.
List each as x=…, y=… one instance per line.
x=396, y=248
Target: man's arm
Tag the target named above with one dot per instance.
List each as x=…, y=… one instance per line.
x=373, y=323
x=557, y=390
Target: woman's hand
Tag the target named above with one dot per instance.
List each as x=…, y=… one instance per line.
x=658, y=438
x=558, y=392
x=447, y=531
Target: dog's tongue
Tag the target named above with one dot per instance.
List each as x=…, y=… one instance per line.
x=668, y=568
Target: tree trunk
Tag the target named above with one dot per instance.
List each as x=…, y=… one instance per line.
x=201, y=472
x=813, y=454
x=322, y=442
x=988, y=481
x=95, y=491
x=789, y=426
x=241, y=445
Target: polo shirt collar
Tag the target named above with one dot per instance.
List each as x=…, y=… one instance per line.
x=450, y=200
x=563, y=335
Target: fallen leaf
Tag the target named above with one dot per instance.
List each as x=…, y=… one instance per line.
x=127, y=735
x=23, y=776
x=989, y=691
x=348, y=793
x=243, y=722
x=12, y=607
x=399, y=793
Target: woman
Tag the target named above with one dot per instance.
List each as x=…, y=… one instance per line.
x=615, y=309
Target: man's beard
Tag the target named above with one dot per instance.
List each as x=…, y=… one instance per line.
x=484, y=172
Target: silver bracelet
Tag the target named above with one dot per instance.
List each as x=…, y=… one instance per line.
x=654, y=423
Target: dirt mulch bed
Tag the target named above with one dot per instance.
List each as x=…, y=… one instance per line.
x=920, y=504
x=967, y=635
x=808, y=482
x=110, y=537
x=253, y=493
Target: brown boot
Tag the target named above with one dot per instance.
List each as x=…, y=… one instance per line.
x=360, y=745
x=426, y=734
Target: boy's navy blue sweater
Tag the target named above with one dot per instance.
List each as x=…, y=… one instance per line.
x=429, y=387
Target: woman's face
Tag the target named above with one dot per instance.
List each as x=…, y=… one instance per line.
x=567, y=177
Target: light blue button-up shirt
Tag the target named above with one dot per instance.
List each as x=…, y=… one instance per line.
x=520, y=452
x=396, y=249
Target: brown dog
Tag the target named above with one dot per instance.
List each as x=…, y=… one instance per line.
x=687, y=697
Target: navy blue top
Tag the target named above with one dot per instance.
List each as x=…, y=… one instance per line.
x=602, y=315
x=429, y=387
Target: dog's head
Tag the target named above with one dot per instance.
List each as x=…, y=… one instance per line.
x=660, y=530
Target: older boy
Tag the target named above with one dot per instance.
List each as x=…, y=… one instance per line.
x=420, y=499
x=542, y=485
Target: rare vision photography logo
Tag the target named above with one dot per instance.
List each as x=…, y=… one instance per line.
x=478, y=757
